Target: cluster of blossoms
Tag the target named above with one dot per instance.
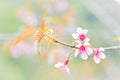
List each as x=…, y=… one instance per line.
x=83, y=49
x=83, y=46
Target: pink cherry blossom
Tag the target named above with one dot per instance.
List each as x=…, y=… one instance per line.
x=80, y=35
x=98, y=54
x=83, y=50
x=63, y=66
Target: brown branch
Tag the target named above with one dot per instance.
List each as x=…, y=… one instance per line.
x=111, y=48
x=60, y=42
x=72, y=46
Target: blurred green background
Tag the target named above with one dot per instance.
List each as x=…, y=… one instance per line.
x=100, y=17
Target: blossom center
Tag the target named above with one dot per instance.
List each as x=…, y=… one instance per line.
x=82, y=48
x=96, y=52
x=66, y=62
x=82, y=37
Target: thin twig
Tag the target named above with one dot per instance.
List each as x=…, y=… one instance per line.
x=72, y=46
x=111, y=48
x=60, y=42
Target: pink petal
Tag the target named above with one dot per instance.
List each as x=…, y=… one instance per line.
x=87, y=39
x=96, y=59
x=89, y=51
x=85, y=31
x=79, y=30
x=86, y=43
x=75, y=36
x=67, y=69
x=63, y=67
x=102, y=55
x=84, y=56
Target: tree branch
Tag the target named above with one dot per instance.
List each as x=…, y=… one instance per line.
x=60, y=42
x=72, y=46
x=111, y=48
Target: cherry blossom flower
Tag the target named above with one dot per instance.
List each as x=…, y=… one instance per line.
x=80, y=35
x=63, y=66
x=83, y=50
x=98, y=54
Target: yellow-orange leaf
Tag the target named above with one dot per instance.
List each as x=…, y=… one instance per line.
x=39, y=35
x=44, y=13
x=40, y=57
x=42, y=26
x=25, y=34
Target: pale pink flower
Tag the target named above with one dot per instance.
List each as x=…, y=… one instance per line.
x=98, y=54
x=22, y=48
x=80, y=35
x=63, y=66
x=28, y=16
x=83, y=50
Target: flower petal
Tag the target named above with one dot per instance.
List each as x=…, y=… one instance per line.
x=75, y=36
x=89, y=51
x=96, y=59
x=87, y=39
x=63, y=67
x=102, y=55
x=67, y=69
x=79, y=30
x=85, y=31
x=84, y=56
x=86, y=43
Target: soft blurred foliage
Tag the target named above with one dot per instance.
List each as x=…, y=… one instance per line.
x=100, y=17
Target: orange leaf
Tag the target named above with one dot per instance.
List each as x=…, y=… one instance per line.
x=29, y=31
x=42, y=26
